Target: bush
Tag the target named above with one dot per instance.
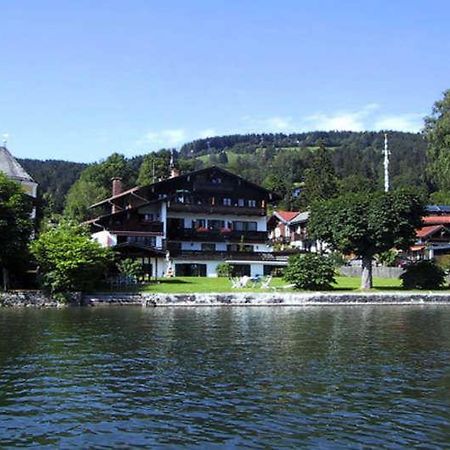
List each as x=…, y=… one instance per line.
x=310, y=271
x=130, y=268
x=69, y=260
x=423, y=275
x=224, y=270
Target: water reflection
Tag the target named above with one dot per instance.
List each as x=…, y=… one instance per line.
x=259, y=377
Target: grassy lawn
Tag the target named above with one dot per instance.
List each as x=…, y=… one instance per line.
x=187, y=285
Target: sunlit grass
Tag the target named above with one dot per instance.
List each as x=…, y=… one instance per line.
x=188, y=285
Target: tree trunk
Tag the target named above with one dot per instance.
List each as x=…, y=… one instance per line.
x=5, y=278
x=366, y=274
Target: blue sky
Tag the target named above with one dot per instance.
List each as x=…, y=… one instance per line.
x=81, y=79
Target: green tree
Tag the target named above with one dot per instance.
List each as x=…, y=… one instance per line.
x=15, y=226
x=154, y=167
x=68, y=259
x=355, y=183
x=437, y=132
x=94, y=185
x=320, y=178
x=310, y=271
x=367, y=224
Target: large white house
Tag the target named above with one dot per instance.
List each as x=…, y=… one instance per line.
x=188, y=224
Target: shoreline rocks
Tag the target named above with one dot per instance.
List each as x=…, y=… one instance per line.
x=37, y=299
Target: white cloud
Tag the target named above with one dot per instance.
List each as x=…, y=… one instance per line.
x=402, y=122
x=208, y=132
x=273, y=124
x=165, y=138
x=341, y=121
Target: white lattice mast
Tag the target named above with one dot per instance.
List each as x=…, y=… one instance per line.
x=386, y=163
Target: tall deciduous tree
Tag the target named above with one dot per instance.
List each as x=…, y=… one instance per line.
x=320, y=178
x=437, y=132
x=94, y=184
x=367, y=224
x=15, y=226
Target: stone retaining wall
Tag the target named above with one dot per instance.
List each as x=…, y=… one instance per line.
x=36, y=299
x=263, y=299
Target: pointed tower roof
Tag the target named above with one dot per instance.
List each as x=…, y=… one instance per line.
x=10, y=166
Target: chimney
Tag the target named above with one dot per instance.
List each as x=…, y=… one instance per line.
x=116, y=186
x=116, y=190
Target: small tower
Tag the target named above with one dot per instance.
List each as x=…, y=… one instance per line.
x=173, y=171
x=386, y=163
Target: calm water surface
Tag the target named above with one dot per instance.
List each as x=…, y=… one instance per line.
x=320, y=377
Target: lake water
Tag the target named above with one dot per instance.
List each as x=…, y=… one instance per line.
x=261, y=377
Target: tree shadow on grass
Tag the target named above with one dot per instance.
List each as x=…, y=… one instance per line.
x=170, y=281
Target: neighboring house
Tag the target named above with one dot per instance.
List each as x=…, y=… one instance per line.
x=433, y=239
x=289, y=228
x=187, y=225
x=10, y=166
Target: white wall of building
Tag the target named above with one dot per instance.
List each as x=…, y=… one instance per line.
x=105, y=238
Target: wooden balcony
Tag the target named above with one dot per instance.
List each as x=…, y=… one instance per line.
x=219, y=209
x=188, y=234
x=138, y=227
x=224, y=256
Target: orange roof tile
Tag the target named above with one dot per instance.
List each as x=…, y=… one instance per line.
x=426, y=231
x=436, y=220
x=287, y=216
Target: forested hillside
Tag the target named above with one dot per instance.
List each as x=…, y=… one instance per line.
x=277, y=161
x=54, y=178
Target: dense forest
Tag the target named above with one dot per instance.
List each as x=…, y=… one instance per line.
x=277, y=161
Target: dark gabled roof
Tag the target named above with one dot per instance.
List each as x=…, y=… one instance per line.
x=136, y=190
x=10, y=166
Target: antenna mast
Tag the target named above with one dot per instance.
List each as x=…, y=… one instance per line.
x=386, y=163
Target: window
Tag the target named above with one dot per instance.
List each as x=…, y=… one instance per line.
x=252, y=203
x=241, y=202
x=216, y=180
x=240, y=248
x=227, y=201
x=199, y=223
x=238, y=226
x=216, y=224
x=147, y=217
x=148, y=241
x=245, y=226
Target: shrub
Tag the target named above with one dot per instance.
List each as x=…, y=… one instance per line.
x=423, y=275
x=130, y=267
x=69, y=260
x=310, y=271
x=224, y=270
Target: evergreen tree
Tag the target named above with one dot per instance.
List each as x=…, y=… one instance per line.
x=320, y=178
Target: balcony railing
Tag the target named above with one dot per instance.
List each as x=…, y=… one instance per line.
x=188, y=234
x=217, y=209
x=140, y=227
x=241, y=256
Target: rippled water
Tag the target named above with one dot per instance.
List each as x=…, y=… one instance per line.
x=328, y=377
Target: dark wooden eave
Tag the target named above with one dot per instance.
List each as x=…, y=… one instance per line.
x=140, y=191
